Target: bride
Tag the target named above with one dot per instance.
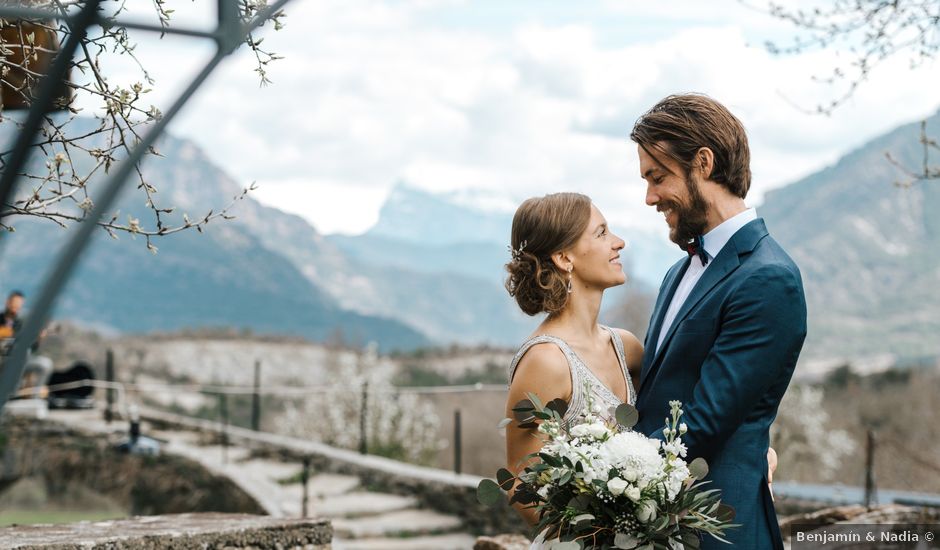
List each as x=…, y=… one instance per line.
x=563, y=258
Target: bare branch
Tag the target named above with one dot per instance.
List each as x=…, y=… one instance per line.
x=61, y=193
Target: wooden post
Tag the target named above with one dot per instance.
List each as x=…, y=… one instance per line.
x=870, y=492
x=223, y=414
x=363, y=412
x=458, y=452
x=109, y=392
x=304, y=478
x=256, y=399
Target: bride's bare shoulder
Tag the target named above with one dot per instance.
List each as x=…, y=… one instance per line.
x=543, y=370
x=542, y=360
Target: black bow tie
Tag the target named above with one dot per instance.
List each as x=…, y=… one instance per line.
x=697, y=246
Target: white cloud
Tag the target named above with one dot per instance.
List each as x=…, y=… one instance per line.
x=372, y=92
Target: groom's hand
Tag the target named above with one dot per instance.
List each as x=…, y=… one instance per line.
x=771, y=468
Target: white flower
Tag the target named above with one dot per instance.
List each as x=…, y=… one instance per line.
x=635, y=455
x=543, y=492
x=676, y=447
x=597, y=430
x=581, y=430
x=589, y=474
x=683, y=428
x=675, y=479
x=633, y=493
x=629, y=473
x=616, y=486
x=646, y=511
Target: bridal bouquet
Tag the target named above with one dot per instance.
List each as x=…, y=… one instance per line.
x=597, y=484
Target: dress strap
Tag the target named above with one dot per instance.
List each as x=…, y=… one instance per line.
x=577, y=385
x=622, y=359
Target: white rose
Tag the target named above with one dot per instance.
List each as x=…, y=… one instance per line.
x=597, y=430
x=633, y=493
x=629, y=473
x=580, y=430
x=616, y=486
x=646, y=511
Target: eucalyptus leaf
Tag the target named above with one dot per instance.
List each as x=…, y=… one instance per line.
x=698, y=468
x=535, y=400
x=504, y=477
x=726, y=513
x=625, y=541
x=488, y=492
x=568, y=545
x=524, y=405
x=627, y=415
x=558, y=405
x=582, y=517
x=503, y=423
x=691, y=541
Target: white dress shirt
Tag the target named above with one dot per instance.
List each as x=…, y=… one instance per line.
x=714, y=241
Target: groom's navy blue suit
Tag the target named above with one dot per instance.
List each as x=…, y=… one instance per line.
x=729, y=356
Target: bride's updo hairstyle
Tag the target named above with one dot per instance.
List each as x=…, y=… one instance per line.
x=541, y=227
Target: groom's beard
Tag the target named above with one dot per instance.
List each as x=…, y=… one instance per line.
x=691, y=219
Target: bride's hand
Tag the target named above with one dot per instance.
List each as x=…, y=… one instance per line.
x=771, y=468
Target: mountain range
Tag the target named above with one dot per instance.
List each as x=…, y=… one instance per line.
x=429, y=272
x=867, y=249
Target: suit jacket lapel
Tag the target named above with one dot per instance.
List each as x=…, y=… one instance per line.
x=659, y=312
x=743, y=242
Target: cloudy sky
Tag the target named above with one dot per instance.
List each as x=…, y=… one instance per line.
x=504, y=99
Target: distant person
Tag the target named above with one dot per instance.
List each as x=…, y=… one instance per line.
x=38, y=368
x=10, y=320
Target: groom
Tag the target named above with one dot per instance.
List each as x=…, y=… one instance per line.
x=730, y=318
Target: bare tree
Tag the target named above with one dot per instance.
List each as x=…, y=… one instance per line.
x=59, y=190
x=869, y=32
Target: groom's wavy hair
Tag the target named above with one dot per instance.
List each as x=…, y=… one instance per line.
x=679, y=125
x=541, y=227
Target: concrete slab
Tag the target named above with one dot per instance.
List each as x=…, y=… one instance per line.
x=362, y=503
x=174, y=531
x=404, y=523
x=457, y=541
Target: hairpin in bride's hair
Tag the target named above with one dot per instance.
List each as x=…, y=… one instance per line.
x=516, y=254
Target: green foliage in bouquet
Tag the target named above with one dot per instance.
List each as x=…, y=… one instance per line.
x=597, y=484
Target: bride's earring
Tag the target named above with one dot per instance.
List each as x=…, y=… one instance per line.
x=570, y=267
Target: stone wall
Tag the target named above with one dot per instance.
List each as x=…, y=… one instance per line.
x=142, y=485
x=439, y=490
x=176, y=532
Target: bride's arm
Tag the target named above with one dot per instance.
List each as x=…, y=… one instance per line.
x=543, y=371
x=771, y=468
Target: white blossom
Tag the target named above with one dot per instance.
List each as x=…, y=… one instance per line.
x=646, y=511
x=616, y=486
